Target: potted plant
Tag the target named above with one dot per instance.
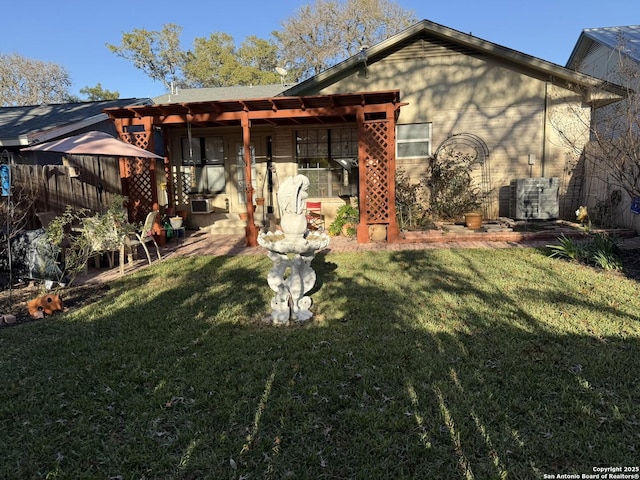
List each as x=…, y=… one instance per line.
x=347, y=218
x=473, y=220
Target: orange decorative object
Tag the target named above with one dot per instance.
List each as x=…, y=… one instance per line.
x=45, y=305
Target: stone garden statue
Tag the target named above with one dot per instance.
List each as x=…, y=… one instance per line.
x=291, y=252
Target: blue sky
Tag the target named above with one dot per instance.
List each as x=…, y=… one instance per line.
x=74, y=33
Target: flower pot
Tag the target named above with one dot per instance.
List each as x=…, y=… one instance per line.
x=260, y=201
x=176, y=222
x=473, y=220
x=244, y=216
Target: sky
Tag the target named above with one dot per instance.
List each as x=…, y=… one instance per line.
x=74, y=33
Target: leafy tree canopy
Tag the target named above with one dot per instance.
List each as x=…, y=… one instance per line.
x=317, y=36
x=216, y=62
x=156, y=53
x=98, y=93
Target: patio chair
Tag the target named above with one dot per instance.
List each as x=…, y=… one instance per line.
x=105, y=238
x=142, y=237
x=315, y=218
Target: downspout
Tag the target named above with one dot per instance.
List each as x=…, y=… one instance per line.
x=543, y=158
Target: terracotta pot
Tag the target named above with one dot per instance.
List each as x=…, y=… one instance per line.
x=160, y=237
x=244, y=216
x=260, y=201
x=473, y=220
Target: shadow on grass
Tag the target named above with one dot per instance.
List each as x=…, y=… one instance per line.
x=425, y=364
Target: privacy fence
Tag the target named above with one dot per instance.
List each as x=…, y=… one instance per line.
x=84, y=182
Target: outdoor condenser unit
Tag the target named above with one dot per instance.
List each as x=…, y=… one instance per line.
x=534, y=199
x=201, y=205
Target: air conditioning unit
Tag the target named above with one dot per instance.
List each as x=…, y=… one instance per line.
x=534, y=199
x=201, y=205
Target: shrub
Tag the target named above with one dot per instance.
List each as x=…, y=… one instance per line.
x=599, y=249
x=452, y=191
x=409, y=197
x=346, y=215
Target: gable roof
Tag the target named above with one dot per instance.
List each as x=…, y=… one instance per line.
x=466, y=43
x=215, y=94
x=625, y=39
x=25, y=125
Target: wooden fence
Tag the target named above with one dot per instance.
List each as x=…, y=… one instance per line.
x=83, y=182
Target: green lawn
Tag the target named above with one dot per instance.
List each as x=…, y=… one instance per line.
x=436, y=364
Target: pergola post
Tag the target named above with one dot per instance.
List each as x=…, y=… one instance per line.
x=251, y=231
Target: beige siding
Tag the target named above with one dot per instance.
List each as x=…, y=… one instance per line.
x=462, y=93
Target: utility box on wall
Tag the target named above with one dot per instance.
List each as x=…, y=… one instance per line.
x=201, y=205
x=534, y=199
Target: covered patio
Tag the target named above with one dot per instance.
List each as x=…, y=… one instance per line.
x=374, y=113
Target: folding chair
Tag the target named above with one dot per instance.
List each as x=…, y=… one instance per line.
x=315, y=218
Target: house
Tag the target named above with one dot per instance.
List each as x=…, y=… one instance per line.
x=611, y=54
x=391, y=106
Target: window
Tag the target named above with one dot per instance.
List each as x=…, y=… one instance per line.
x=205, y=157
x=325, y=157
x=413, y=140
x=204, y=150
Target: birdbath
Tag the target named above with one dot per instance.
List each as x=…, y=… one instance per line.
x=291, y=252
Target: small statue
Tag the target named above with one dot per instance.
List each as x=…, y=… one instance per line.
x=292, y=195
x=292, y=198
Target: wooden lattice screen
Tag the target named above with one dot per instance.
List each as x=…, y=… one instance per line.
x=376, y=174
x=377, y=178
x=138, y=179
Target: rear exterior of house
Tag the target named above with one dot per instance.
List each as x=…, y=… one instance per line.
x=452, y=88
x=457, y=86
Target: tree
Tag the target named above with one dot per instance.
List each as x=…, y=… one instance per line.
x=24, y=81
x=156, y=53
x=98, y=93
x=326, y=32
x=216, y=62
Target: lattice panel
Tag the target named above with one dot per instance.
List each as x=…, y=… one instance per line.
x=139, y=139
x=137, y=178
x=376, y=159
x=182, y=180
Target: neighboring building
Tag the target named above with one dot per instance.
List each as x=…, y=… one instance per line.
x=29, y=125
x=393, y=105
x=56, y=180
x=598, y=51
x=611, y=54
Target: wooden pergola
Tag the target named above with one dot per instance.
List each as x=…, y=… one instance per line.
x=375, y=114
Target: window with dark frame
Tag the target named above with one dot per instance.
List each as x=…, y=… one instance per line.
x=205, y=159
x=327, y=157
x=203, y=151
